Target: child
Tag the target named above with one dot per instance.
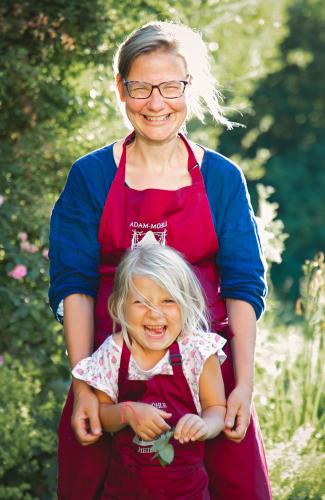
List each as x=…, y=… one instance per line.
x=159, y=373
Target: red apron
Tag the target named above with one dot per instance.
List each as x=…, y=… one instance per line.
x=134, y=473
x=181, y=219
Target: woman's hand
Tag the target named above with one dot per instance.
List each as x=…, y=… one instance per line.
x=147, y=421
x=242, y=322
x=238, y=413
x=191, y=427
x=85, y=416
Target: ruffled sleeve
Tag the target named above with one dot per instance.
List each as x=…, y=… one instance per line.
x=101, y=369
x=198, y=348
x=195, y=350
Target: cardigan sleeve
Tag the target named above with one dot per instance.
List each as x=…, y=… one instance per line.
x=74, y=250
x=240, y=257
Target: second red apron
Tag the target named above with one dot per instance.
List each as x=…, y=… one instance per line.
x=134, y=472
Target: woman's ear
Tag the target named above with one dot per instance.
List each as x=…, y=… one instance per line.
x=120, y=87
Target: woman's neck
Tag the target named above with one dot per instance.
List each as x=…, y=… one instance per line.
x=160, y=156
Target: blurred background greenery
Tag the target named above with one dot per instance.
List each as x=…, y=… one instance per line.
x=57, y=102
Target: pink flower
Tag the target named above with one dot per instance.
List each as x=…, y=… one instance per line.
x=28, y=247
x=2, y=360
x=18, y=272
x=23, y=236
x=2, y=200
x=45, y=253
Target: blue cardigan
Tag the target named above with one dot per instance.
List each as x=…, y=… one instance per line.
x=74, y=247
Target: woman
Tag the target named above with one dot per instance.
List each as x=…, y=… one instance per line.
x=156, y=186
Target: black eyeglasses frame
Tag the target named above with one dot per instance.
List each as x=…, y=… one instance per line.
x=126, y=82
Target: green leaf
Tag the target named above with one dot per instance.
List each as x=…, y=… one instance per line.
x=165, y=450
x=162, y=440
x=167, y=453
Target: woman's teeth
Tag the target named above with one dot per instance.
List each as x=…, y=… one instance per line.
x=156, y=118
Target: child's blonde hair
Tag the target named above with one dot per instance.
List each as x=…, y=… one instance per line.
x=166, y=267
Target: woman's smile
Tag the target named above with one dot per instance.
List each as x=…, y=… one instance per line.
x=158, y=119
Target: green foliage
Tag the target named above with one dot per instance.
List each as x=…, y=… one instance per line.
x=292, y=414
x=297, y=466
x=52, y=82
x=243, y=38
x=271, y=229
x=298, y=372
x=28, y=439
x=287, y=122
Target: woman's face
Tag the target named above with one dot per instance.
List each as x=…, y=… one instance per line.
x=156, y=118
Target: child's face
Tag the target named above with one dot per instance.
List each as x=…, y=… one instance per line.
x=152, y=330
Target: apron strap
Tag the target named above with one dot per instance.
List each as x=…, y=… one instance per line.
x=121, y=167
x=175, y=358
x=192, y=161
x=124, y=365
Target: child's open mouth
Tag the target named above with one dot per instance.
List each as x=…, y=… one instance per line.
x=155, y=331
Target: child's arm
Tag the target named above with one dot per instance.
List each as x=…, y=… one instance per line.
x=192, y=427
x=146, y=420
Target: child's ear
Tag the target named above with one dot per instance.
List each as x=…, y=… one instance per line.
x=120, y=87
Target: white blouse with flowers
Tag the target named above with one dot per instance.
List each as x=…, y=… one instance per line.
x=101, y=369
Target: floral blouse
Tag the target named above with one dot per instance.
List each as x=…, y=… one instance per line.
x=101, y=369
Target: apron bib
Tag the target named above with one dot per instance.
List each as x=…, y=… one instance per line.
x=180, y=219
x=134, y=472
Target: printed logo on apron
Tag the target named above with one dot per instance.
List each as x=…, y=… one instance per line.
x=147, y=233
x=144, y=446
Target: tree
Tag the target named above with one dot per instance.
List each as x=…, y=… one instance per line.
x=286, y=125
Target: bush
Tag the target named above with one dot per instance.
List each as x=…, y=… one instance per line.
x=28, y=419
x=290, y=397
x=297, y=466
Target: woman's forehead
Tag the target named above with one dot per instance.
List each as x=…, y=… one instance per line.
x=157, y=65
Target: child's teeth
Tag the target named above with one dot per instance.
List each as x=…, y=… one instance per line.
x=155, y=329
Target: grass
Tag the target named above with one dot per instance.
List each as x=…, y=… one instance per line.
x=290, y=392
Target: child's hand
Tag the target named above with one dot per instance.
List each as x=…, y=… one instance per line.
x=147, y=421
x=190, y=427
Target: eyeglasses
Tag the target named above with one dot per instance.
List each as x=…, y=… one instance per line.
x=143, y=90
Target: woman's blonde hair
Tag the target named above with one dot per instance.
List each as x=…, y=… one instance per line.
x=180, y=40
x=168, y=269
